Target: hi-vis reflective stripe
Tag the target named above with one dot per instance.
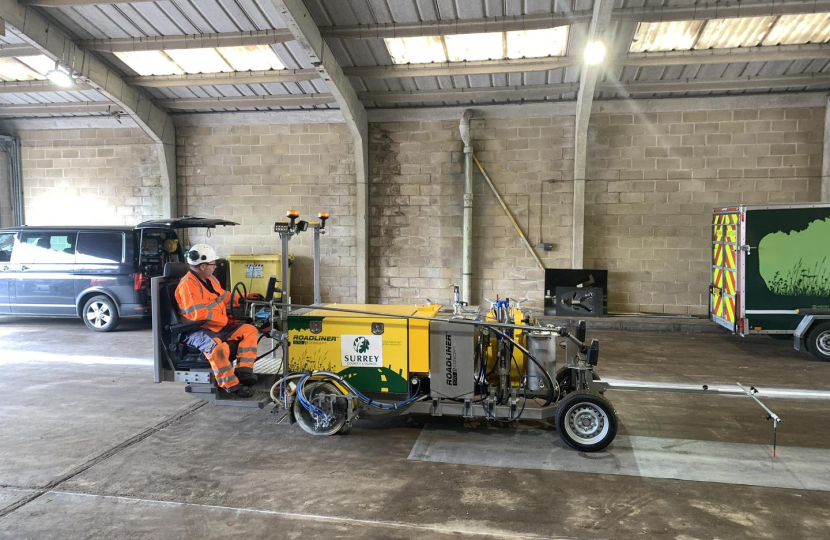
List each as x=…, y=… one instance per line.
x=724, y=265
x=730, y=309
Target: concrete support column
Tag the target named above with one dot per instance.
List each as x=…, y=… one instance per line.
x=585, y=100
x=300, y=23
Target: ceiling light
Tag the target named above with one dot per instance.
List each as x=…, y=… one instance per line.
x=594, y=53
x=60, y=76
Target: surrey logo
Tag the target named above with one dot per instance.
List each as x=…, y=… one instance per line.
x=361, y=344
x=361, y=351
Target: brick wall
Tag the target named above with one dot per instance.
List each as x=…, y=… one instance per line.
x=654, y=179
x=416, y=199
x=254, y=174
x=89, y=177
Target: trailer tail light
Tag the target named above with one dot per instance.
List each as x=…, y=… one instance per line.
x=140, y=281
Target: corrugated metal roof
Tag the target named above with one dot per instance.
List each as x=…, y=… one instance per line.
x=180, y=17
x=665, y=36
x=793, y=29
x=184, y=17
x=729, y=33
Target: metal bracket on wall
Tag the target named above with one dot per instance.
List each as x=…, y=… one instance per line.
x=509, y=213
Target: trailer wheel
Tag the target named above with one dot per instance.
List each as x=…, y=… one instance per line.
x=316, y=393
x=586, y=421
x=818, y=341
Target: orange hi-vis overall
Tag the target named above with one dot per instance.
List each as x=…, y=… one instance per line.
x=197, y=302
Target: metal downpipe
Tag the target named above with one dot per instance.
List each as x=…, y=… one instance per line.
x=467, y=248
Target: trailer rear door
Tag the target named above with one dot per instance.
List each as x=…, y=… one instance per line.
x=724, y=290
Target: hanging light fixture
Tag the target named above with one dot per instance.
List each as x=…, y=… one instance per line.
x=594, y=53
x=60, y=76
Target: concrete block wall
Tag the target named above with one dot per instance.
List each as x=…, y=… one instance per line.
x=89, y=177
x=254, y=174
x=653, y=180
x=416, y=200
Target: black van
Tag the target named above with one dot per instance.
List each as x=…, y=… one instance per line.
x=100, y=274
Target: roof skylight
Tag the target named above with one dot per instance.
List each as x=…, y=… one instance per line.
x=731, y=33
x=483, y=46
x=218, y=60
x=416, y=50
x=25, y=68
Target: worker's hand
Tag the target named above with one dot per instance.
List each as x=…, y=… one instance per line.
x=254, y=296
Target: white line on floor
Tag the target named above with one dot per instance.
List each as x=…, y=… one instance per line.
x=646, y=457
x=317, y=517
x=54, y=358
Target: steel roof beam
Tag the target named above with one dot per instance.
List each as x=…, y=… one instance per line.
x=7, y=51
x=78, y=107
x=21, y=87
x=542, y=91
x=530, y=92
x=300, y=22
x=710, y=10
x=669, y=58
x=282, y=100
x=236, y=77
x=189, y=41
x=713, y=85
x=73, y=3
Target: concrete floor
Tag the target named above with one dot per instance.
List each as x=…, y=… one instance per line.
x=91, y=448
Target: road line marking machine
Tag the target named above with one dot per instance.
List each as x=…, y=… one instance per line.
x=336, y=362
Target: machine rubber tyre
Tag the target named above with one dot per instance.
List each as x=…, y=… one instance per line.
x=314, y=390
x=818, y=341
x=100, y=314
x=564, y=381
x=586, y=421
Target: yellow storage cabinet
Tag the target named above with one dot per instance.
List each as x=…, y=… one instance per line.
x=255, y=271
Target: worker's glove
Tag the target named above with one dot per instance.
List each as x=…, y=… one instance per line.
x=254, y=296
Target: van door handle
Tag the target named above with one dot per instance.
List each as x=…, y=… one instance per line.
x=5, y=269
x=24, y=268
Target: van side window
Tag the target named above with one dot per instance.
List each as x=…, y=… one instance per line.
x=6, y=245
x=100, y=248
x=45, y=247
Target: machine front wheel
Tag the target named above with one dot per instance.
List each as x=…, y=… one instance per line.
x=317, y=393
x=586, y=421
x=818, y=341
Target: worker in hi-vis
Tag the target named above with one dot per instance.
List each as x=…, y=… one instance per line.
x=201, y=298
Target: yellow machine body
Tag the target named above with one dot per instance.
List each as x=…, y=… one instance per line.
x=372, y=352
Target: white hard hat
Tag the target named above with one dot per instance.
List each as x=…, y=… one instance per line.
x=201, y=253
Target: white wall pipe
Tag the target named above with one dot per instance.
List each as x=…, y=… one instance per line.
x=467, y=248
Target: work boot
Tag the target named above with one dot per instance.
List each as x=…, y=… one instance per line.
x=246, y=378
x=244, y=392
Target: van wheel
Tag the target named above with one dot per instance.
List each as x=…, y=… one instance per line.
x=818, y=341
x=99, y=314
